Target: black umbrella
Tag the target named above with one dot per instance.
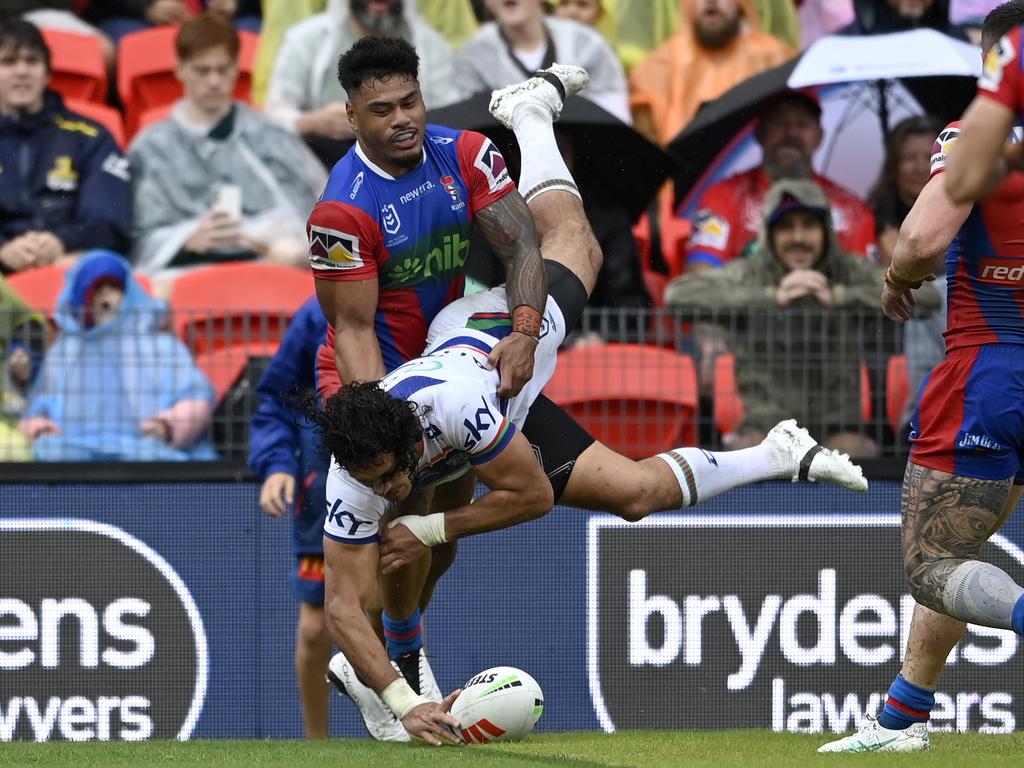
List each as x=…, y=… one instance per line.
x=610, y=157
x=718, y=123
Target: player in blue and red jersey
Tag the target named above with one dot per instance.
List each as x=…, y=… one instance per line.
x=982, y=155
x=965, y=471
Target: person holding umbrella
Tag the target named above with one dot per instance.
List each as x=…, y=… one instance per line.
x=728, y=216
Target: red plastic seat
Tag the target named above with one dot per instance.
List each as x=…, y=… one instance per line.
x=897, y=390
x=636, y=399
x=106, y=116
x=655, y=283
x=154, y=115
x=146, y=62
x=236, y=304
x=727, y=407
x=77, y=67
x=223, y=365
x=41, y=286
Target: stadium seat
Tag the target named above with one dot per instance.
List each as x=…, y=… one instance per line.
x=78, y=69
x=237, y=304
x=655, y=283
x=40, y=287
x=727, y=407
x=146, y=62
x=222, y=366
x=106, y=116
x=154, y=115
x=897, y=391
x=638, y=400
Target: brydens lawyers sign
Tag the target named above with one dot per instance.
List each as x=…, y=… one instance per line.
x=789, y=623
x=99, y=637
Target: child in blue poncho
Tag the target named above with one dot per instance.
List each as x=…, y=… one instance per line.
x=115, y=385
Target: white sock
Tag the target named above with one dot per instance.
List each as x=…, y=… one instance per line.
x=702, y=475
x=543, y=167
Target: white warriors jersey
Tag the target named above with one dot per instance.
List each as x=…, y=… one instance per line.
x=465, y=422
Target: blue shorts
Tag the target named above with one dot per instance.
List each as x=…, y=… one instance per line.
x=308, y=579
x=970, y=414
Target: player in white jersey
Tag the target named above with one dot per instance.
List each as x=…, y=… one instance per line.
x=440, y=416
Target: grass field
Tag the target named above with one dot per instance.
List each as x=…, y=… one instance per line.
x=650, y=749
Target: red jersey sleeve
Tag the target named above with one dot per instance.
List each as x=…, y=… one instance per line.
x=1001, y=78
x=943, y=146
x=712, y=237
x=483, y=169
x=862, y=237
x=344, y=242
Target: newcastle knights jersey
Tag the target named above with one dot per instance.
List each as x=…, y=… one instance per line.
x=1002, y=76
x=410, y=233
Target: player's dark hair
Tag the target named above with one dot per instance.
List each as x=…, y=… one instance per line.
x=376, y=58
x=1001, y=20
x=362, y=422
x=24, y=35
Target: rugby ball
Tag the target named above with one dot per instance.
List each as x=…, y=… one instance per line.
x=499, y=704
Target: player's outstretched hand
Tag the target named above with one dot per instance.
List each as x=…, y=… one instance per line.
x=399, y=546
x=433, y=722
x=898, y=303
x=513, y=357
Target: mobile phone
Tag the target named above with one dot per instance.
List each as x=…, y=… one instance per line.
x=227, y=198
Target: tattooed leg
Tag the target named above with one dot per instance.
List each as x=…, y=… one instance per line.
x=946, y=518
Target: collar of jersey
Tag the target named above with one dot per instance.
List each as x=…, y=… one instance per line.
x=376, y=168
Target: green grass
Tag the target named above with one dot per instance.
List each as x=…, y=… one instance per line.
x=650, y=749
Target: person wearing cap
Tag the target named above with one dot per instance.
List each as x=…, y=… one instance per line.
x=116, y=386
x=794, y=355
x=728, y=215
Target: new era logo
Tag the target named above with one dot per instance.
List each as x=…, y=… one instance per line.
x=330, y=249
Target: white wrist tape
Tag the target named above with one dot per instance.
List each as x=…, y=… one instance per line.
x=429, y=529
x=401, y=698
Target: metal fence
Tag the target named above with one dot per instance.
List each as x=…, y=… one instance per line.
x=642, y=381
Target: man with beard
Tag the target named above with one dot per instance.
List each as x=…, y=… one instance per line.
x=729, y=213
x=718, y=45
x=304, y=92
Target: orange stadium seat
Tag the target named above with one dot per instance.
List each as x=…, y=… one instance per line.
x=897, y=390
x=40, y=287
x=727, y=407
x=222, y=366
x=655, y=283
x=154, y=115
x=638, y=400
x=78, y=69
x=146, y=62
x=237, y=304
x=106, y=116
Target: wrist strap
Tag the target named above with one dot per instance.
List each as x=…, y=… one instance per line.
x=401, y=698
x=429, y=529
x=526, y=320
x=894, y=281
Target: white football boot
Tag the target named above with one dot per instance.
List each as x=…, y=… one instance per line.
x=806, y=459
x=379, y=719
x=416, y=670
x=874, y=738
x=547, y=89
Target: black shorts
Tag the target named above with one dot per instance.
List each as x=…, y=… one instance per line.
x=557, y=439
x=568, y=292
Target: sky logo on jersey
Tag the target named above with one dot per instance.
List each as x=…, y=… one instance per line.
x=491, y=162
x=389, y=218
x=330, y=249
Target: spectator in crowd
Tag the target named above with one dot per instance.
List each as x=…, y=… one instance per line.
x=74, y=193
x=285, y=454
x=521, y=40
x=453, y=19
x=785, y=364
x=719, y=44
x=588, y=12
x=60, y=14
x=118, y=18
x=22, y=339
x=218, y=181
x=821, y=18
x=728, y=215
x=115, y=386
x=908, y=152
x=879, y=17
x=304, y=92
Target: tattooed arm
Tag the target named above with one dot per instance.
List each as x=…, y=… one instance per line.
x=508, y=227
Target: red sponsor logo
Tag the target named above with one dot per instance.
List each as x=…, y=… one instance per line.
x=1001, y=271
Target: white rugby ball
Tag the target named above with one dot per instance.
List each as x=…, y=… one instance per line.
x=499, y=704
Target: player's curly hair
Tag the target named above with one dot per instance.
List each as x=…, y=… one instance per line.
x=376, y=58
x=362, y=422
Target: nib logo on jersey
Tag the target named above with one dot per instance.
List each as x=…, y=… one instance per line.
x=100, y=639
x=789, y=623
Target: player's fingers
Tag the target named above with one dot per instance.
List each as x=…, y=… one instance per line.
x=446, y=705
x=451, y=735
x=909, y=296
